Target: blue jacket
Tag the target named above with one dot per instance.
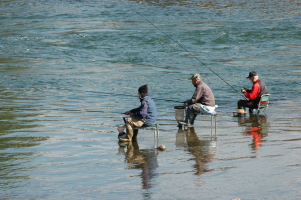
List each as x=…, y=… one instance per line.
x=147, y=111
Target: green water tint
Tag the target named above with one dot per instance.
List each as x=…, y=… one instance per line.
x=69, y=69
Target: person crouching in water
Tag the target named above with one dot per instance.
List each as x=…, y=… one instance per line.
x=253, y=95
x=143, y=116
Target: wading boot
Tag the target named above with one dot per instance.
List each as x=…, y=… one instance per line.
x=122, y=135
x=135, y=134
x=185, y=124
x=125, y=139
x=128, y=137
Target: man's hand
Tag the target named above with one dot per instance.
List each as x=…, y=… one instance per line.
x=243, y=90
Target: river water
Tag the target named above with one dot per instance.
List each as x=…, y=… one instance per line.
x=69, y=68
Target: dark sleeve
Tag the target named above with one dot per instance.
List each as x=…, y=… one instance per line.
x=141, y=111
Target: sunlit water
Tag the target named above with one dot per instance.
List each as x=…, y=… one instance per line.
x=69, y=68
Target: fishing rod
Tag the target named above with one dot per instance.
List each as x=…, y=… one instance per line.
x=57, y=109
x=180, y=45
x=118, y=94
x=49, y=109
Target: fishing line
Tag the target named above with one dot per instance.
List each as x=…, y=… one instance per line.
x=50, y=109
x=118, y=94
x=180, y=45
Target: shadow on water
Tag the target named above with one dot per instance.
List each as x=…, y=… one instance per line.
x=143, y=159
x=202, y=150
x=256, y=126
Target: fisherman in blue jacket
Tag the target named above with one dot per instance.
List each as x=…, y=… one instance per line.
x=143, y=116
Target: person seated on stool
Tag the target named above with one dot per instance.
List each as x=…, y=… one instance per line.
x=143, y=116
x=253, y=95
x=202, y=101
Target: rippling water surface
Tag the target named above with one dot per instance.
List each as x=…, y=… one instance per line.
x=69, y=68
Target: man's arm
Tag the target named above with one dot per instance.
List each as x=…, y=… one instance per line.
x=141, y=111
x=253, y=94
x=197, y=95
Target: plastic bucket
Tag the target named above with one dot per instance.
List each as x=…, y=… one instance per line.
x=179, y=113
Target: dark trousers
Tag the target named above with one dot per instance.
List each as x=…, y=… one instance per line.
x=246, y=103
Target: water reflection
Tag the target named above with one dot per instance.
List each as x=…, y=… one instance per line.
x=17, y=135
x=255, y=126
x=143, y=159
x=203, y=150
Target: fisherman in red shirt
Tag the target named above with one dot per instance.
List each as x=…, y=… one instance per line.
x=252, y=95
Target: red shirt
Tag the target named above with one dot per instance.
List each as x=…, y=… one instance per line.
x=255, y=91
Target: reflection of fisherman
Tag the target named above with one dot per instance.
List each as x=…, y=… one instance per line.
x=202, y=101
x=252, y=95
x=144, y=115
x=143, y=159
x=202, y=150
x=258, y=129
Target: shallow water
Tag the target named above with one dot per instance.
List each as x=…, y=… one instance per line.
x=69, y=68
